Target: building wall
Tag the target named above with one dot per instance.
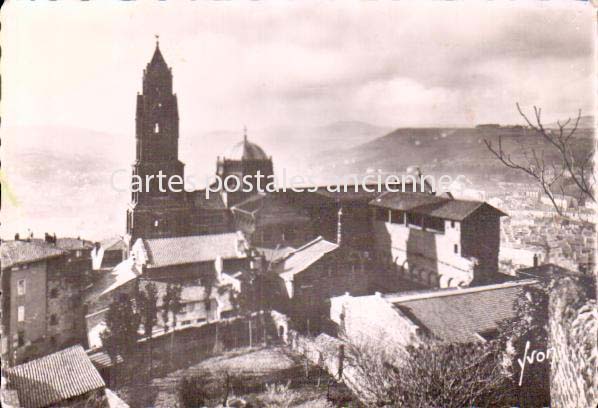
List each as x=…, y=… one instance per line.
x=573, y=324
x=372, y=320
x=197, y=311
x=34, y=326
x=199, y=270
x=65, y=313
x=424, y=256
x=175, y=221
x=331, y=276
x=480, y=239
x=113, y=257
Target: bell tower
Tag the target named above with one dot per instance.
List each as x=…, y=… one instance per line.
x=157, y=138
x=157, y=130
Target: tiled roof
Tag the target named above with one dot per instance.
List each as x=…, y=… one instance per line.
x=19, y=252
x=350, y=194
x=272, y=208
x=459, y=315
x=68, y=244
x=101, y=359
x=549, y=271
x=212, y=202
x=198, y=248
x=458, y=210
x=57, y=377
x=275, y=254
x=121, y=274
x=302, y=258
x=431, y=205
x=71, y=244
x=406, y=201
x=113, y=243
x=251, y=204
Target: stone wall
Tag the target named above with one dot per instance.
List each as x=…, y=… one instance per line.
x=573, y=332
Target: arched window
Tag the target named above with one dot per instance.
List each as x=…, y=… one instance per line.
x=156, y=127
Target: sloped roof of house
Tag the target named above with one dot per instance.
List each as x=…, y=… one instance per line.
x=193, y=249
x=271, y=208
x=351, y=194
x=431, y=205
x=461, y=315
x=459, y=210
x=20, y=252
x=66, y=243
x=54, y=378
x=406, y=201
x=113, y=243
x=118, y=276
x=211, y=201
x=275, y=254
x=305, y=256
x=548, y=271
x=71, y=244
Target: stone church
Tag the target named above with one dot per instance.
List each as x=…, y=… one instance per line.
x=427, y=239
x=153, y=213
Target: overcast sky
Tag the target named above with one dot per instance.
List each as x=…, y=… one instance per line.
x=264, y=64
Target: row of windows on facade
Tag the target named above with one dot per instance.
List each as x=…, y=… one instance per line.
x=21, y=339
x=224, y=315
x=22, y=289
x=412, y=220
x=21, y=316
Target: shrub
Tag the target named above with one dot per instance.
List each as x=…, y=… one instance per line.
x=192, y=392
x=279, y=396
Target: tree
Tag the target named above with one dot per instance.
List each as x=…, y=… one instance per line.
x=121, y=333
x=247, y=300
x=171, y=304
x=430, y=375
x=572, y=165
x=147, y=301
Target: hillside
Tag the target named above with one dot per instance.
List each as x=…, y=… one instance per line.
x=438, y=151
x=55, y=177
x=585, y=122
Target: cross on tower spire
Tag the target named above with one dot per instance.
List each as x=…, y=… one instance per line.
x=245, y=133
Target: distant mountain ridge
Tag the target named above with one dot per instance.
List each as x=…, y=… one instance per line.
x=440, y=151
x=585, y=122
x=58, y=175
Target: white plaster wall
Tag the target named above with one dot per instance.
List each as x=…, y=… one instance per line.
x=430, y=250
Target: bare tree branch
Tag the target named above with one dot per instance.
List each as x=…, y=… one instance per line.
x=579, y=171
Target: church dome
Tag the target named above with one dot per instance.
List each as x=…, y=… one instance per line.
x=246, y=150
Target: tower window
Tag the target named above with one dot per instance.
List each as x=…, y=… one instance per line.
x=21, y=313
x=21, y=287
x=156, y=223
x=456, y=248
x=156, y=127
